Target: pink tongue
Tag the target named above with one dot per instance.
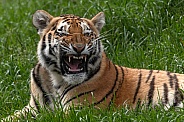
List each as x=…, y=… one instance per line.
x=74, y=66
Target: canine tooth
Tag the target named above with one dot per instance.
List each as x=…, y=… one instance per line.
x=69, y=59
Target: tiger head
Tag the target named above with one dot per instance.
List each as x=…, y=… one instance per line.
x=69, y=46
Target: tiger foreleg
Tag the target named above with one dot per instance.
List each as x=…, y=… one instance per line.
x=21, y=113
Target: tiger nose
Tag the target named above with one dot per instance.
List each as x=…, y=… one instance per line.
x=79, y=47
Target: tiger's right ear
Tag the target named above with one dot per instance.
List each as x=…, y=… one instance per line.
x=41, y=19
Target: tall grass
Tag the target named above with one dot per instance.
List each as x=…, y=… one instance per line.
x=140, y=34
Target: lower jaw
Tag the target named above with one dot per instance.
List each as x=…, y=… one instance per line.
x=75, y=78
x=70, y=72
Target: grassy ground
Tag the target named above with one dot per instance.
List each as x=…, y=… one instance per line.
x=140, y=34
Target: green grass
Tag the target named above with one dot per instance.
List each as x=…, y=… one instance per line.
x=140, y=34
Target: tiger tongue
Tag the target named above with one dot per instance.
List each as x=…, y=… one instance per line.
x=74, y=65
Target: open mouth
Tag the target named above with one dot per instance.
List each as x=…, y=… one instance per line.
x=75, y=64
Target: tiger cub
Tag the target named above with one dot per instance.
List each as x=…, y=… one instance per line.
x=73, y=69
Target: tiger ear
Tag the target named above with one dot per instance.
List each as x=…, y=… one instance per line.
x=41, y=19
x=99, y=20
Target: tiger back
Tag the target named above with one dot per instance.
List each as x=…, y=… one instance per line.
x=73, y=69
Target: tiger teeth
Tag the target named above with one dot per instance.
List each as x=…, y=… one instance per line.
x=70, y=69
x=74, y=57
x=81, y=57
x=69, y=59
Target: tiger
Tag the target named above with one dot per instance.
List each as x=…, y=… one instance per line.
x=73, y=69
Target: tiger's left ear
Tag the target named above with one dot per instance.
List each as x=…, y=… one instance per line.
x=99, y=20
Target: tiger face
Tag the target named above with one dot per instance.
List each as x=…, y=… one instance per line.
x=70, y=46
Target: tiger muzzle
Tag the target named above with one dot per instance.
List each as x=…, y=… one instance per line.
x=79, y=47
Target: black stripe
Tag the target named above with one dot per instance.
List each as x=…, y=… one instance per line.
x=46, y=58
x=93, y=73
x=165, y=93
x=138, y=105
x=149, y=76
x=43, y=43
x=49, y=61
x=67, y=89
x=49, y=38
x=120, y=84
x=52, y=62
x=151, y=90
x=178, y=94
x=51, y=52
x=36, y=78
x=81, y=94
x=60, y=29
x=112, y=89
x=38, y=82
x=97, y=54
x=109, y=63
x=138, y=87
x=66, y=19
x=170, y=79
x=54, y=27
x=99, y=45
x=176, y=89
x=93, y=60
x=35, y=102
x=123, y=74
x=95, y=48
x=61, y=63
x=57, y=33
